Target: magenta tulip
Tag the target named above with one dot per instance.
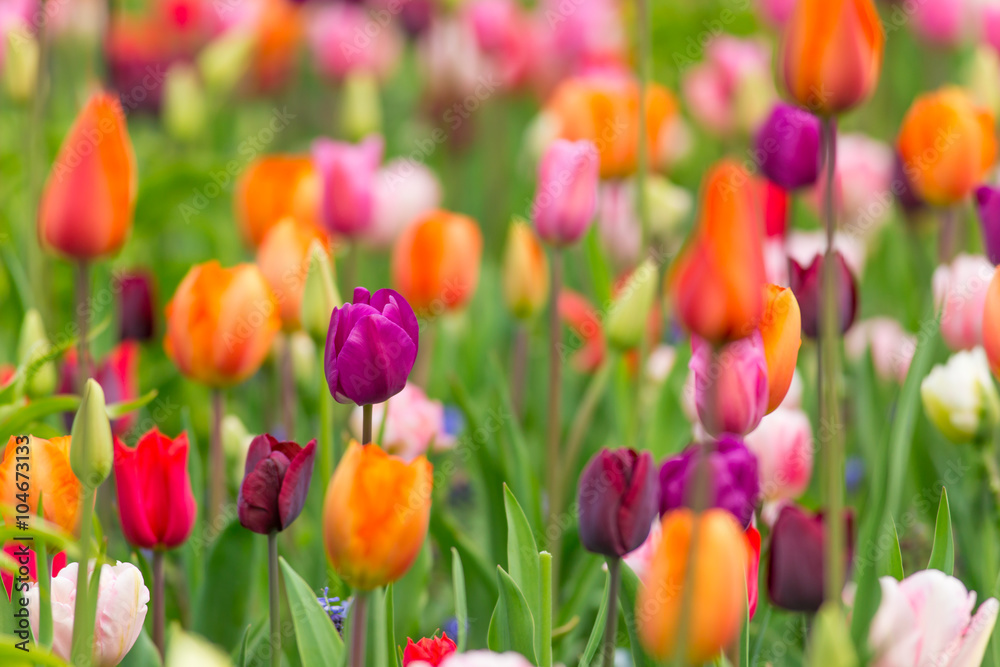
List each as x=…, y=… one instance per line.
x=275, y=483
x=566, y=197
x=347, y=176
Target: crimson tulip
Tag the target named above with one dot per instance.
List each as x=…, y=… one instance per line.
x=618, y=500
x=429, y=650
x=275, y=484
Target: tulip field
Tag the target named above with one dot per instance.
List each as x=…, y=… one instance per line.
x=499, y=333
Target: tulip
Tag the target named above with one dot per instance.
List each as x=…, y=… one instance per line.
x=752, y=536
x=485, y=659
x=273, y=188
x=525, y=272
x=371, y=346
x=283, y=258
x=669, y=205
x=795, y=560
x=435, y=263
x=135, y=47
x=717, y=281
x=582, y=318
x=20, y=64
x=960, y=398
x=347, y=174
x=776, y=12
x=221, y=323
x=617, y=499
x=731, y=386
x=714, y=607
x=225, y=61
x=185, y=108
x=51, y=477
x=629, y=314
x=136, y=299
x=86, y=206
x=981, y=77
x=831, y=54
x=19, y=551
x=155, y=500
x=732, y=478
x=781, y=333
x=319, y=292
x=121, y=609
x=375, y=515
x=409, y=424
x=788, y=145
x=429, y=650
x=774, y=200
x=862, y=184
x=277, y=34
x=566, y=197
x=360, y=108
x=927, y=619
x=806, y=285
x=275, y=483
x=340, y=43
x=988, y=200
x=618, y=224
x=947, y=145
x=941, y=22
x=92, y=457
x=991, y=324
x=404, y=192
x=960, y=293
x=891, y=347
x=783, y=447
x=32, y=346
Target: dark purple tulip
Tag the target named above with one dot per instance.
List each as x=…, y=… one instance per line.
x=795, y=560
x=732, y=478
x=618, y=500
x=788, y=147
x=807, y=285
x=371, y=347
x=988, y=199
x=136, y=309
x=906, y=196
x=275, y=483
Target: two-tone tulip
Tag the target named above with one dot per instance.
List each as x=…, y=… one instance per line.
x=618, y=500
x=275, y=483
x=960, y=294
x=52, y=478
x=781, y=333
x=806, y=284
x=273, y=188
x=525, y=272
x=283, y=258
x=783, y=446
x=731, y=385
x=566, y=196
x=347, y=178
x=788, y=147
x=960, y=398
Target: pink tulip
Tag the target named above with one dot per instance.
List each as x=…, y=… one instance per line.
x=989, y=20
x=413, y=424
x=504, y=37
x=891, y=347
x=926, y=619
x=731, y=394
x=451, y=63
x=941, y=22
x=404, y=191
x=567, y=191
x=862, y=184
x=618, y=224
x=784, y=448
x=347, y=173
x=776, y=12
x=712, y=88
x=15, y=15
x=345, y=39
x=577, y=40
x=960, y=293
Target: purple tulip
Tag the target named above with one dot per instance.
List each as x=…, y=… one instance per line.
x=807, y=285
x=347, y=176
x=988, y=199
x=732, y=478
x=795, y=560
x=618, y=500
x=788, y=147
x=371, y=347
x=275, y=483
x=136, y=312
x=566, y=198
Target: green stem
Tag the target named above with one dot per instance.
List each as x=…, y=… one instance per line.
x=366, y=424
x=44, y=595
x=359, y=628
x=36, y=160
x=83, y=625
x=159, y=604
x=288, y=389
x=552, y=435
x=217, y=456
x=611, y=622
x=274, y=598
x=545, y=560
x=992, y=473
x=83, y=323
x=328, y=449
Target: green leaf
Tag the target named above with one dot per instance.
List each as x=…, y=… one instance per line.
x=512, y=627
x=522, y=560
x=943, y=551
x=895, y=556
x=116, y=410
x=628, y=594
x=461, y=606
x=317, y=638
x=232, y=562
x=597, y=634
x=376, y=655
x=143, y=653
x=241, y=657
x=11, y=656
x=390, y=630
x=410, y=594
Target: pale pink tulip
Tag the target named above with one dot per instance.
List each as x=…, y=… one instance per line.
x=404, y=191
x=345, y=39
x=566, y=196
x=504, y=36
x=413, y=424
x=960, y=293
x=347, y=178
x=451, y=63
x=783, y=445
x=732, y=68
x=618, y=223
x=891, y=347
x=730, y=397
x=862, y=184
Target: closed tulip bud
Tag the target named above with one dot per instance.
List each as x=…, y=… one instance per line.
x=136, y=306
x=319, y=294
x=947, y=145
x=788, y=142
x=831, y=54
x=93, y=453
x=185, y=109
x=982, y=78
x=361, y=110
x=781, y=331
x=347, y=182
x=86, y=207
x=712, y=611
x=51, y=477
x=732, y=478
x=806, y=284
x=20, y=65
x=275, y=483
x=375, y=515
x=272, y=188
x=525, y=272
x=717, y=281
x=960, y=294
x=155, y=501
x=960, y=398
x=435, y=262
x=731, y=386
x=225, y=60
x=988, y=200
x=629, y=313
x=566, y=197
x=33, y=345
x=618, y=500
x=186, y=649
x=783, y=446
x=283, y=258
x=668, y=206
x=221, y=323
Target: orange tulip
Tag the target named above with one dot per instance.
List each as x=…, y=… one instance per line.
x=946, y=144
x=716, y=603
x=606, y=111
x=525, y=272
x=781, y=329
x=717, y=281
x=435, y=262
x=221, y=323
x=283, y=258
x=272, y=188
x=86, y=207
x=831, y=54
x=375, y=515
x=279, y=30
x=51, y=477
x=991, y=323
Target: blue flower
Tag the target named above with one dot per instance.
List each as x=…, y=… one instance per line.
x=335, y=609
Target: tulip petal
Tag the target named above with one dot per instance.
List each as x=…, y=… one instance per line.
x=393, y=306
x=375, y=360
x=180, y=506
x=131, y=506
x=977, y=635
x=258, y=500
x=260, y=448
x=296, y=485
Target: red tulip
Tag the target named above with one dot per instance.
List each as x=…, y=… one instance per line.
x=429, y=650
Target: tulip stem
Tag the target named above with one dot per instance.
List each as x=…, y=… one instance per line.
x=552, y=449
x=288, y=389
x=992, y=473
x=217, y=456
x=82, y=323
x=359, y=628
x=950, y=234
x=159, y=604
x=83, y=625
x=545, y=561
x=327, y=454
x=518, y=372
x=611, y=621
x=274, y=599
x=366, y=424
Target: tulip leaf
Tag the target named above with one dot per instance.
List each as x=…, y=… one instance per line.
x=116, y=410
x=142, y=654
x=36, y=410
x=943, y=551
x=522, y=560
x=11, y=655
x=375, y=655
x=461, y=606
x=231, y=563
x=895, y=556
x=628, y=594
x=511, y=627
x=241, y=658
x=522, y=476
x=6, y=613
x=597, y=633
x=317, y=638
x=390, y=630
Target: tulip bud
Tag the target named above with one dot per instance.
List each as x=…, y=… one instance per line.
x=92, y=453
x=20, y=65
x=184, y=105
x=304, y=366
x=960, y=398
x=668, y=206
x=788, y=143
x=830, y=641
x=319, y=295
x=731, y=386
x=136, y=309
x=783, y=446
x=629, y=313
x=781, y=332
x=806, y=284
x=988, y=200
x=525, y=272
x=32, y=345
x=566, y=197
x=617, y=497
x=361, y=110
x=960, y=294
x=275, y=483
x=225, y=60
x=188, y=649
x=982, y=76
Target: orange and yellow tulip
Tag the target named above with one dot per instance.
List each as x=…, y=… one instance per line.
x=831, y=54
x=272, y=188
x=435, y=262
x=781, y=329
x=946, y=144
x=715, y=615
x=375, y=515
x=525, y=272
x=283, y=258
x=717, y=281
x=52, y=479
x=221, y=323
x=86, y=207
